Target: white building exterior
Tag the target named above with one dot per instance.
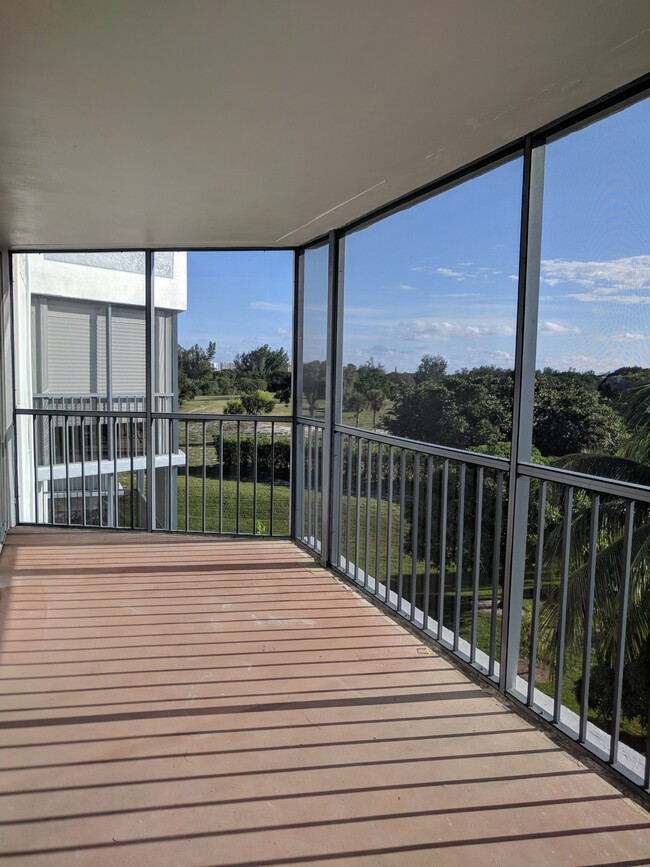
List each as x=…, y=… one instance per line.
x=80, y=345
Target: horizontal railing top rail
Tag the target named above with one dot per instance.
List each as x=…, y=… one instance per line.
x=313, y=422
x=195, y=416
x=55, y=412
x=172, y=416
x=597, y=484
x=453, y=454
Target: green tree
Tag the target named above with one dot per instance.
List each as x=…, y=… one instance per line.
x=313, y=384
x=570, y=416
x=262, y=363
x=458, y=411
x=432, y=368
x=355, y=402
x=373, y=384
x=257, y=402
x=195, y=370
x=234, y=407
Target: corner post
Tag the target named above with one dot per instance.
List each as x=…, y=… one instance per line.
x=150, y=362
x=523, y=402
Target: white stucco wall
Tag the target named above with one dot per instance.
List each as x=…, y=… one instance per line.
x=61, y=279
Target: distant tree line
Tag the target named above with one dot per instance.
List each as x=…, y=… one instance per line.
x=470, y=408
x=259, y=378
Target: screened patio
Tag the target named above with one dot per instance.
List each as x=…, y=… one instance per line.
x=325, y=396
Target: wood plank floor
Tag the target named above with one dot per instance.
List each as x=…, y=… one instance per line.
x=183, y=701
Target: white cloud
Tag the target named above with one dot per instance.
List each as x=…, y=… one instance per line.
x=619, y=281
x=549, y=327
x=429, y=329
x=282, y=332
x=600, y=295
x=405, y=287
x=456, y=275
x=272, y=306
x=458, y=295
x=630, y=335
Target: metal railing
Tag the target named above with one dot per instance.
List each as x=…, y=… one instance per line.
x=208, y=473
x=309, y=483
x=424, y=530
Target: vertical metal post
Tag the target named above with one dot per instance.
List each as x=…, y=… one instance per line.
x=331, y=456
x=623, y=599
x=537, y=591
x=563, y=595
x=444, y=490
x=150, y=366
x=530, y=246
x=460, y=549
x=427, y=545
x=389, y=523
x=297, y=488
x=589, y=615
x=415, y=522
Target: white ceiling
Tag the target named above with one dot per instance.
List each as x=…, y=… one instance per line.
x=268, y=122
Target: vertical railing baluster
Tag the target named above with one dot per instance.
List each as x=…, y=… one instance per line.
x=221, y=476
x=67, y=469
x=537, y=590
x=426, y=589
x=496, y=566
x=187, y=476
x=317, y=497
x=476, y=566
x=272, y=491
x=646, y=776
x=132, y=462
x=402, y=509
x=35, y=455
x=254, y=478
x=348, y=511
x=116, y=478
x=204, y=478
x=309, y=484
x=589, y=615
x=82, y=425
x=564, y=587
x=623, y=599
x=99, y=474
x=444, y=489
x=389, y=523
x=51, y=434
x=238, y=477
x=366, y=569
x=378, y=518
x=357, y=520
x=170, y=426
x=460, y=548
x=415, y=521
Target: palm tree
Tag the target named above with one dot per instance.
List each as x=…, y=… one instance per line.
x=632, y=465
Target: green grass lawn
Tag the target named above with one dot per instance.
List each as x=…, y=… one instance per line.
x=215, y=403
x=251, y=519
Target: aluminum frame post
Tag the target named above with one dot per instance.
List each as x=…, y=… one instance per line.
x=331, y=457
x=523, y=400
x=297, y=487
x=150, y=360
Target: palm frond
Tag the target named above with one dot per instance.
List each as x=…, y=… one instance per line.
x=618, y=468
x=608, y=581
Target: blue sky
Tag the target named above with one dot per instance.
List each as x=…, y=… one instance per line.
x=240, y=300
x=441, y=277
